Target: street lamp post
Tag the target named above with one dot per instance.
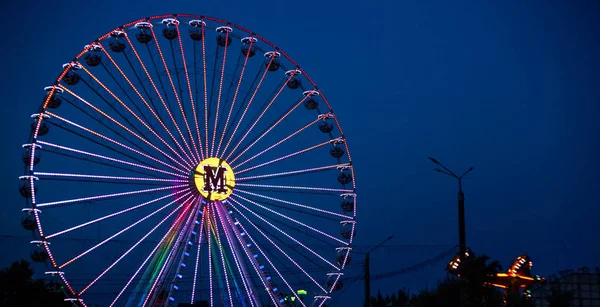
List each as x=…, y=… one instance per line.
x=462, y=238
x=368, y=272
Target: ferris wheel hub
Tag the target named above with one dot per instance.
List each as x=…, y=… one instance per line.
x=214, y=179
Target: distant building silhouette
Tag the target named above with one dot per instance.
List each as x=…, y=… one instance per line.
x=582, y=284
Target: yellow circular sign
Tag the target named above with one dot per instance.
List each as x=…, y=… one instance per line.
x=214, y=179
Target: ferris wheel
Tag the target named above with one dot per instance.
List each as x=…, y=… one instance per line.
x=185, y=159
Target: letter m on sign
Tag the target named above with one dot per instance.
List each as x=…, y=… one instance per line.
x=214, y=179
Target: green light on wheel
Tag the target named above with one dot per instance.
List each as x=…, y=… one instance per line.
x=302, y=292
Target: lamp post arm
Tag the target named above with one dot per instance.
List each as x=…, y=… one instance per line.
x=378, y=245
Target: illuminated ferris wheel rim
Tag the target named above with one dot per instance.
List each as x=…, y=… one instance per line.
x=202, y=18
x=42, y=115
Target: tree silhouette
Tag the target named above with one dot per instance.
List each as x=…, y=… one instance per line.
x=478, y=272
x=559, y=297
x=399, y=299
x=18, y=288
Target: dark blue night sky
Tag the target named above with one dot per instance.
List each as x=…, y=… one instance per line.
x=510, y=88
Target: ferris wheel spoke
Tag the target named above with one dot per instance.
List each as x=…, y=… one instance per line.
x=189, y=85
x=243, y=274
x=106, y=196
x=262, y=78
x=99, y=121
x=115, y=178
x=160, y=242
x=114, y=142
x=134, y=246
x=151, y=108
x=279, y=230
x=212, y=224
x=235, y=95
x=129, y=227
x=283, y=157
x=270, y=128
x=124, y=91
x=206, y=109
x=289, y=173
x=282, y=201
x=264, y=255
x=143, y=139
x=299, y=189
x=115, y=214
x=142, y=164
x=283, y=252
x=291, y=219
x=244, y=103
x=200, y=233
x=185, y=230
x=96, y=91
x=196, y=90
x=160, y=97
x=187, y=125
x=64, y=148
x=210, y=271
x=264, y=110
x=277, y=144
x=216, y=125
x=237, y=234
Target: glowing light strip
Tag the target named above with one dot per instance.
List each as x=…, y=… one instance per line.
x=221, y=251
x=282, y=158
x=115, y=214
x=200, y=232
x=210, y=273
x=130, y=111
x=205, y=101
x=172, y=253
x=334, y=284
x=109, y=177
x=291, y=219
x=308, y=170
x=234, y=97
x=353, y=226
x=261, y=115
x=293, y=187
x=248, y=105
x=124, y=127
x=140, y=95
x=176, y=98
x=62, y=202
x=284, y=253
x=111, y=159
x=131, y=248
x=267, y=258
x=281, y=231
x=115, y=142
x=256, y=269
x=159, y=96
x=276, y=144
x=121, y=231
x=233, y=252
x=292, y=203
x=212, y=146
x=160, y=242
x=270, y=128
x=187, y=78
